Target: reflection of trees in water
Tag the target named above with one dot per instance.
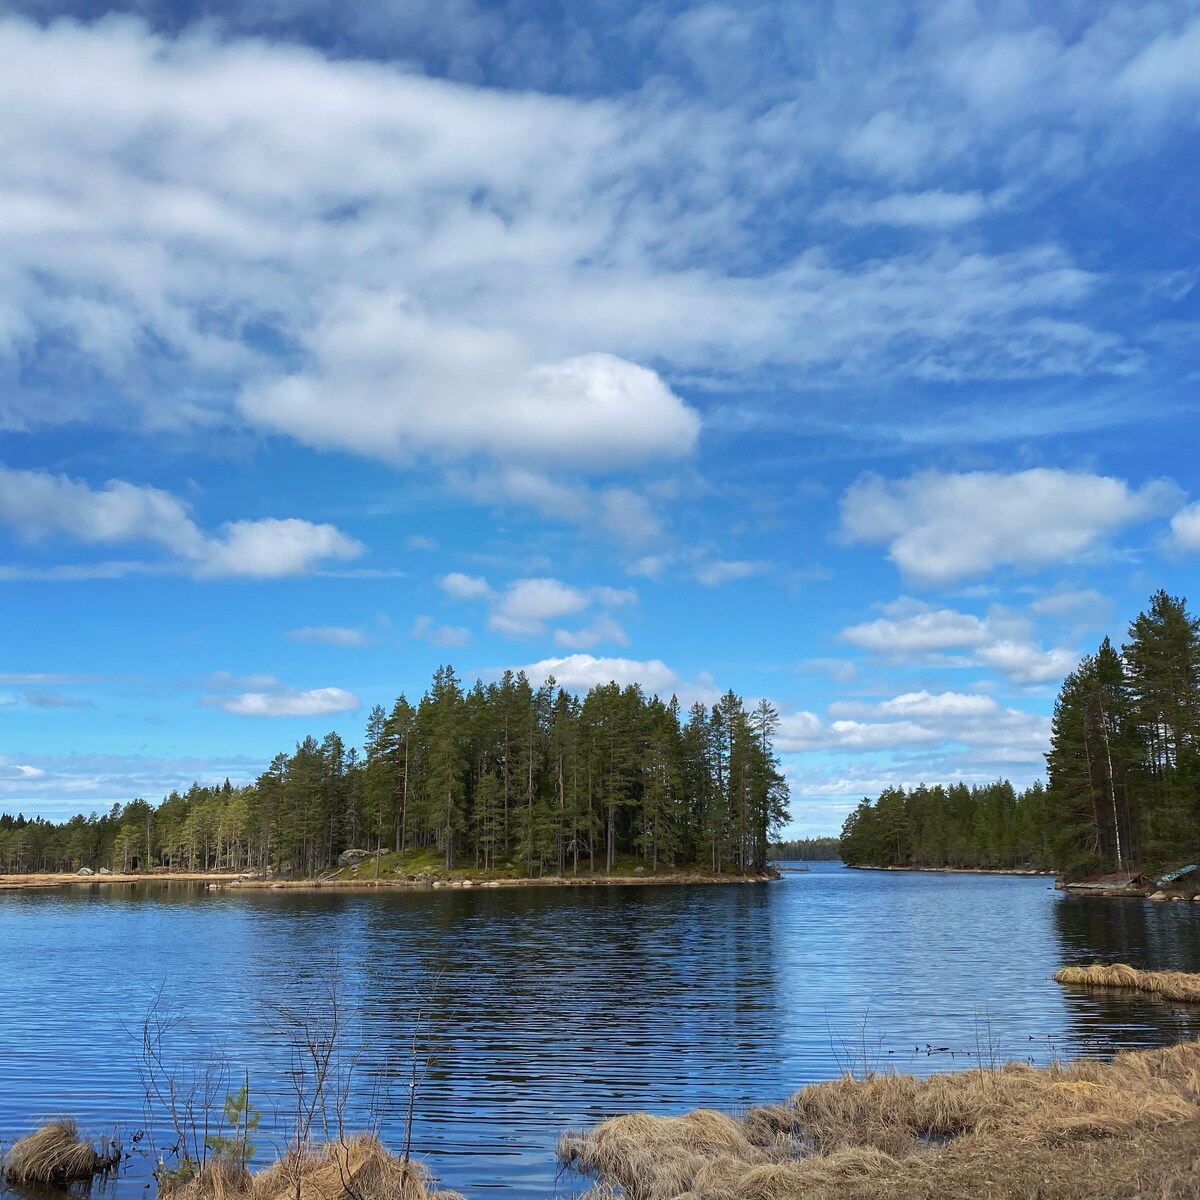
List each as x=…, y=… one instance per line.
x=606, y=995
x=1150, y=936
x=1161, y=936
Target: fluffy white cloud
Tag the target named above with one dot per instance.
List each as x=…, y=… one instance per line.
x=580, y=672
x=39, y=505
x=480, y=272
x=1023, y=663
x=941, y=527
x=1185, y=527
x=285, y=702
x=714, y=572
x=602, y=629
x=915, y=632
x=921, y=719
x=465, y=587
x=271, y=549
x=524, y=608
x=329, y=635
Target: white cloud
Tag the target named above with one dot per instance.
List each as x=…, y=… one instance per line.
x=602, y=629
x=426, y=628
x=405, y=389
x=933, y=209
x=285, y=702
x=915, y=632
x=1165, y=70
x=419, y=541
x=1185, y=527
x=941, y=527
x=1082, y=604
x=1023, y=663
x=39, y=505
x=526, y=605
x=58, y=786
x=329, y=635
x=920, y=719
x=483, y=272
x=621, y=512
x=465, y=587
x=581, y=672
x=714, y=572
x=272, y=549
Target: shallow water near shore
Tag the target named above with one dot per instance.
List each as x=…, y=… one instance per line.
x=550, y=1008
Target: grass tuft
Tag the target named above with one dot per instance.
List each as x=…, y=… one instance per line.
x=360, y=1168
x=54, y=1156
x=1170, y=985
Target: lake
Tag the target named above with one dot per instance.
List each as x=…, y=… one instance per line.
x=547, y=1008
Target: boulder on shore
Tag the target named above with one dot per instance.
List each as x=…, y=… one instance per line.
x=350, y=858
x=104, y=871
x=85, y=871
x=1158, y=896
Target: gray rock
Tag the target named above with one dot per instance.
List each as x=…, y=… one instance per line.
x=348, y=858
x=104, y=871
x=85, y=871
x=1159, y=896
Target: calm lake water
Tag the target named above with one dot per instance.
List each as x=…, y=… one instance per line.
x=558, y=1007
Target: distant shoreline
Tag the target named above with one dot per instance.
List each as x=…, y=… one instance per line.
x=960, y=870
x=234, y=881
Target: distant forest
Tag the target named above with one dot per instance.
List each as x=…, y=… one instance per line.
x=1123, y=773
x=822, y=849
x=499, y=774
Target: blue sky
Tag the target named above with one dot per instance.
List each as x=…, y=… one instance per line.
x=844, y=355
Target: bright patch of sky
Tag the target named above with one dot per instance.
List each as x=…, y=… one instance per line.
x=844, y=355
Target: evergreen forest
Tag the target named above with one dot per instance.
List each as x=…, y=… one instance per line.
x=1122, y=788
x=820, y=849
x=503, y=777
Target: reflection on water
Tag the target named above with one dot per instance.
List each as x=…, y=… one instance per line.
x=551, y=1008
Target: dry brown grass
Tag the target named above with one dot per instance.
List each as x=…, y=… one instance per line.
x=359, y=1168
x=1126, y=1128
x=56, y=1155
x=1170, y=985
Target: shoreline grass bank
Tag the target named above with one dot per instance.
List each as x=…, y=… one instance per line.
x=1169, y=985
x=1102, y=1130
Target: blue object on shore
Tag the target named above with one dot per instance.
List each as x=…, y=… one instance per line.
x=1174, y=875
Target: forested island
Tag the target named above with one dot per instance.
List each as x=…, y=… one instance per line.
x=503, y=777
x=1123, y=774
x=819, y=849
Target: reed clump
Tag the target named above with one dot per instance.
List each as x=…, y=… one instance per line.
x=1170, y=985
x=358, y=1168
x=1129, y=1127
x=55, y=1155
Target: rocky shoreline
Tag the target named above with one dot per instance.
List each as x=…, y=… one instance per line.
x=364, y=881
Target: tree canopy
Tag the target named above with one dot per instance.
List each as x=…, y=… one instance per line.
x=496, y=774
x=1123, y=773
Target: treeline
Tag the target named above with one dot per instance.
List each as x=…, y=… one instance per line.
x=504, y=773
x=822, y=849
x=957, y=826
x=1123, y=773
